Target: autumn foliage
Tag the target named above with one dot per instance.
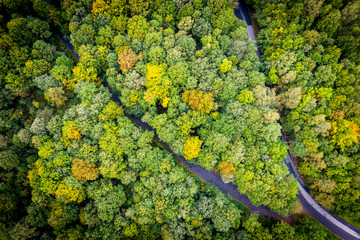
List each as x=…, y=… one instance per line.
x=84, y=171
x=70, y=131
x=70, y=193
x=84, y=73
x=100, y=7
x=227, y=168
x=198, y=100
x=192, y=147
x=344, y=133
x=127, y=58
x=157, y=87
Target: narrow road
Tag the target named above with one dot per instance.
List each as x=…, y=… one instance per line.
x=325, y=217
x=336, y=225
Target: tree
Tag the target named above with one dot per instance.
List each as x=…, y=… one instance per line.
x=201, y=28
x=186, y=24
x=350, y=12
x=119, y=23
x=118, y=7
x=84, y=73
x=283, y=231
x=43, y=50
x=111, y=112
x=198, y=100
x=313, y=7
x=9, y=160
x=105, y=36
x=246, y=96
x=187, y=45
x=225, y=20
x=299, y=150
x=156, y=55
x=291, y=98
x=84, y=171
x=45, y=81
x=70, y=190
x=217, y=5
x=217, y=142
x=108, y=198
x=17, y=31
x=227, y=171
x=225, y=66
x=271, y=116
x=344, y=133
x=325, y=76
x=192, y=147
x=70, y=131
x=311, y=37
x=156, y=85
x=309, y=228
x=100, y=7
x=330, y=20
x=185, y=10
x=137, y=27
x=56, y=96
x=139, y=7
x=46, y=149
x=61, y=214
x=35, y=68
x=23, y=231
x=264, y=96
x=127, y=58
x=179, y=73
x=38, y=126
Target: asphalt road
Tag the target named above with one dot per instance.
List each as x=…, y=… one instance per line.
x=336, y=225
x=325, y=217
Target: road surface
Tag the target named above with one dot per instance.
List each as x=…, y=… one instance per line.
x=337, y=226
x=326, y=218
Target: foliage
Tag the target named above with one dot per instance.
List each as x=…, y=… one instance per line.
x=314, y=73
x=74, y=166
x=127, y=58
x=84, y=171
x=198, y=101
x=156, y=85
x=137, y=27
x=192, y=147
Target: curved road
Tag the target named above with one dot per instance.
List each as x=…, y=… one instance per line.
x=326, y=218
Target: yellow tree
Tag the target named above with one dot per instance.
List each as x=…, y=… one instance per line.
x=70, y=131
x=192, y=147
x=100, y=7
x=227, y=171
x=198, y=100
x=225, y=66
x=84, y=73
x=156, y=85
x=226, y=168
x=70, y=193
x=344, y=133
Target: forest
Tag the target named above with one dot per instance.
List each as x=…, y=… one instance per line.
x=73, y=164
x=311, y=58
